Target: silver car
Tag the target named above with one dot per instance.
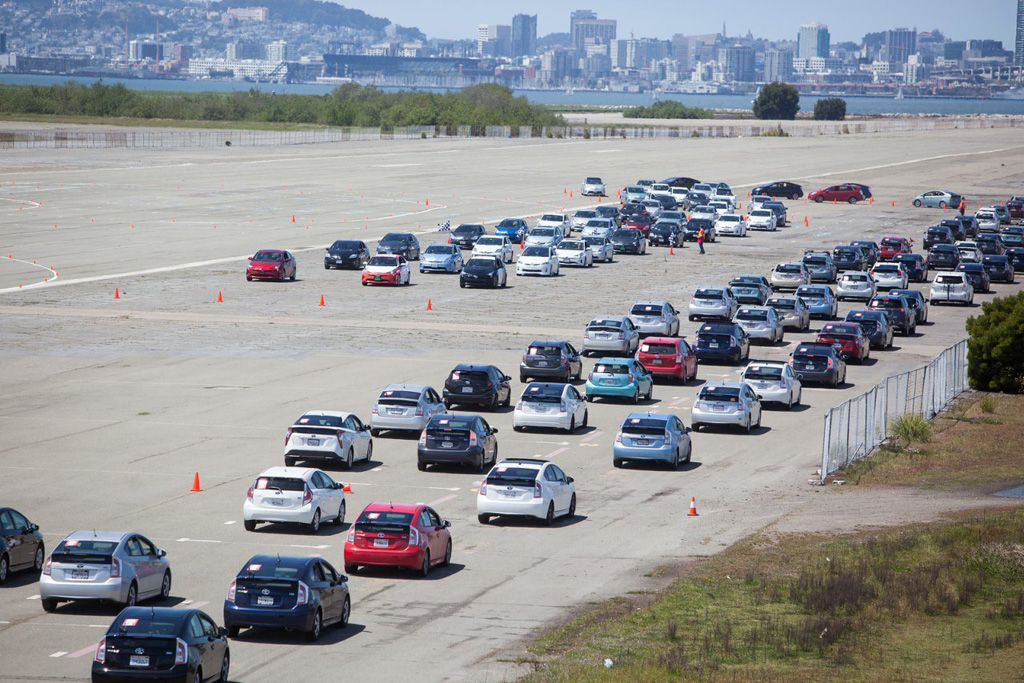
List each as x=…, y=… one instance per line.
x=599, y=227
x=937, y=199
x=444, y=258
x=774, y=382
x=789, y=276
x=602, y=248
x=655, y=317
x=855, y=284
x=726, y=403
x=889, y=275
x=820, y=300
x=494, y=245
x=592, y=186
x=712, y=302
x=405, y=407
x=580, y=218
x=760, y=322
x=615, y=333
x=792, y=310
x=116, y=566
x=634, y=193
x=544, y=236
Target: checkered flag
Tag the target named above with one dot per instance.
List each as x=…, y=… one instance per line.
x=444, y=227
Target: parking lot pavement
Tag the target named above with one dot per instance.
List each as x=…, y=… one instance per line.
x=110, y=406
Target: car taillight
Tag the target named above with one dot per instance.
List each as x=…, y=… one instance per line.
x=423, y=438
x=115, y=568
x=622, y=335
x=561, y=407
x=101, y=651
x=590, y=376
x=631, y=377
x=414, y=536
x=307, y=495
x=287, y=436
x=483, y=489
x=419, y=411
x=586, y=335
x=536, y=490
x=519, y=405
x=524, y=357
x=472, y=438
x=46, y=566
x=829, y=363
x=180, y=652
x=248, y=494
x=231, y=591
x=302, y=595
x=732, y=341
x=351, y=535
x=374, y=411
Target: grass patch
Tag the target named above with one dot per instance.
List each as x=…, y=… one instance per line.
x=930, y=602
x=778, y=132
x=911, y=428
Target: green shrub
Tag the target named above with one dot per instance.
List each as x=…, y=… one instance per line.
x=668, y=109
x=994, y=358
x=987, y=405
x=910, y=428
x=777, y=101
x=830, y=109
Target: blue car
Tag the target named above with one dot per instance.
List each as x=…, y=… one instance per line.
x=281, y=591
x=652, y=436
x=723, y=342
x=819, y=299
x=441, y=258
x=513, y=228
x=620, y=377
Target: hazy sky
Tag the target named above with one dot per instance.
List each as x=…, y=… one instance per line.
x=772, y=19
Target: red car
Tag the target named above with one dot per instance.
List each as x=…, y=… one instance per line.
x=892, y=246
x=668, y=357
x=271, y=264
x=641, y=222
x=840, y=193
x=398, y=535
x=386, y=269
x=850, y=336
x=1015, y=205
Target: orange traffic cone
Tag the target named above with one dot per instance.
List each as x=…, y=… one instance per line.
x=834, y=201
x=892, y=203
x=430, y=306
x=117, y=293
x=565, y=191
x=195, y=483
x=807, y=223
x=522, y=243
x=871, y=201
x=220, y=297
x=347, y=488
x=671, y=251
x=598, y=201
x=322, y=300
x=693, y=506
x=293, y=218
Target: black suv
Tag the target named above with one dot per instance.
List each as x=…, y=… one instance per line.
x=680, y=181
x=847, y=257
x=938, y=234
x=780, y=188
x=401, y=244
x=456, y=439
x=466, y=235
x=944, y=256
x=877, y=326
x=482, y=385
x=346, y=254
x=899, y=310
x=1015, y=255
x=551, y=359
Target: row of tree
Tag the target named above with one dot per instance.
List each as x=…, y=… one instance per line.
x=781, y=102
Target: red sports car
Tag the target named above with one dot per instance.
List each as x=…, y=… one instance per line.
x=668, y=357
x=891, y=246
x=271, y=264
x=841, y=193
x=412, y=536
x=850, y=336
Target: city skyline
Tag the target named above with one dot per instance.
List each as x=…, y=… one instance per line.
x=459, y=19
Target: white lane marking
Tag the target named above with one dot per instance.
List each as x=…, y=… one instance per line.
x=197, y=605
x=396, y=165
x=435, y=503
x=149, y=422
x=606, y=151
x=84, y=651
x=32, y=597
x=551, y=443
x=555, y=452
x=678, y=401
x=314, y=547
x=94, y=471
x=49, y=280
x=593, y=435
x=58, y=654
x=408, y=486
x=4, y=622
x=195, y=540
x=35, y=205
x=231, y=521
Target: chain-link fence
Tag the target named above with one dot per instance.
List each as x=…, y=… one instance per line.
x=853, y=429
x=56, y=138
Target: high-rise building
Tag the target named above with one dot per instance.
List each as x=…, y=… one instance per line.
x=813, y=41
x=494, y=40
x=737, y=62
x=778, y=66
x=3, y=43
x=244, y=49
x=1018, y=58
x=524, y=35
x=900, y=44
x=584, y=24
x=681, y=52
x=278, y=51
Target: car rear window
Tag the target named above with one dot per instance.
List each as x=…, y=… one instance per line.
x=643, y=425
x=84, y=550
x=763, y=372
x=539, y=350
x=658, y=349
x=308, y=420
x=782, y=303
x=752, y=314
x=812, y=351
x=604, y=324
x=543, y=393
x=384, y=517
x=144, y=623
x=730, y=394
x=891, y=242
x=449, y=424
x=399, y=397
x=507, y=475
x=838, y=328
x=815, y=261
x=646, y=309
x=787, y=268
x=611, y=369
x=708, y=294
x=886, y=303
x=855, y=278
x=283, y=483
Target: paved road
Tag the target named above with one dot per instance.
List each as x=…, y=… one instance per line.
x=109, y=406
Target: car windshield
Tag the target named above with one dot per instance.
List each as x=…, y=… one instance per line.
x=625, y=234
x=475, y=263
x=490, y=241
x=708, y=294
x=761, y=213
x=656, y=349
x=611, y=369
x=597, y=223
x=383, y=261
x=713, y=393
x=282, y=483
x=552, y=218
x=763, y=372
x=439, y=249
x=536, y=251
x=542, y=232
x=572, y=245
x=635, y=189
x=273, y=256
x=467, y=230
x=730, y=218
x=592, y=241
x=646, y=309
x=752, y=314
x=310, y=420
x=346, y=245
x=395, y=239
x=585, y=214
x=643, y=425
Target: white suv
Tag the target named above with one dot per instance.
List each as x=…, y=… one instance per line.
x=526, y=487
x=550, y=405
x=295, y=495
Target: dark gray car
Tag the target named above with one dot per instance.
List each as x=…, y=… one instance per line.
x=551, y=359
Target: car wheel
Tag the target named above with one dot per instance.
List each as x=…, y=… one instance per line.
x=346, y=612
x=37, y=566
x=198, y=677
x=586, y=417
x=746, y=427
x=295, y=273
x=549, y=518
x=225, y=667
x=853, y=200
x=942, y=205
x=572, y=507
x=133, y=595
x=165, y=586
x=758, y=425
x=483, y=519
x=340, y=519
x=5, y=568
x=462, y=283
x=636, y=395
x=350, y=459
x=250, y=524
x=248, y=278
x=326, y=267
x=616, y=463
x=689, y=453
x=313, y=634
x=447, y=554
x=590, y=398
x=425, y=568
x=314, y=524
x=917, y=203
x=49, y=605
x=819, y=199
x=290, y=462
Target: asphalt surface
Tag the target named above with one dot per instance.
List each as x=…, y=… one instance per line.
x=109, y=406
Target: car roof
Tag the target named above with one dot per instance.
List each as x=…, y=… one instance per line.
x=545, y=342
x=724, y=385
x=530, y=463
x=767, y=363
x=614, y=360
x=648, y=416
x=328, y=413
x=176, y=615
x=662, y=340
x=462, y=367
x=99, y=535
x=289, y=472
x=291, y=561
x=406, y=387
x=378, y=506
x=644, y=302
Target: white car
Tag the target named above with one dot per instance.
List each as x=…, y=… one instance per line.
x=495, y=245
x=545, y=236
x=855, y=284
x=732, y=404
x=889, y=275
x=575, y=252
x=526, y=487
x=762, y=219
x=599, y=227
x=659, y=190
x=950, y=288
x=554, y=220
x=726, y=195
x=592, y=187
x=580, y=218
x=969, y=252
x=602, y=248
x=550, y=405
x=731, y=225
x=328, y=436
x=654, y=208
x=760, y=322
x=294, y=495
x=987, y=219
x=537, y=260
x=704, y=211
x=721, y=207
x=758, y=200
x=789, y=276
x=679, y=194
x=774, y=382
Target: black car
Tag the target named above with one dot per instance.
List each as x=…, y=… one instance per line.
x=632, y=209
x=899, y=311
x=943, y=257
x=286, y=591
x=915, y=265
x=872, y=254
x=158, y=643
x=779, y=209
x=347, y=254
x=693, y=228
x=668, y=202
x=666, y=234
x=938, y=234
x=977, y=275
x=1015, y=255
x=970, y=225
x=780, y=188
x=877, y=326
x=990, y=244
x=466, y=235
x=547, y=359
x=848, y=258
x=609, y=212
x=722, y=341
x=680, y=181
x=457, y=439
x=21, y=544
x=1012, y=236
x=628, y=241
x=482, y=385
x=956, y=227
x=820, y=363
x=697, y=198
x=916, y=300
x=400, y=243
x=483, y=271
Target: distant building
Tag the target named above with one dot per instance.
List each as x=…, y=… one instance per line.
x=737, y=63
x=1018, y=58
x=986, y=48
x=813, y=41
x=279, y=51
x=557, y=65
x=584, y=24
x=900, y=44
x=778, y=66
x=954, y=49
x=245, y=50
x=524, y=35
x=494, y=40
x=238, y=69
x=681, y=52
x=139, y=51
x=248, y=13
x=182, y=53
x=3, y=43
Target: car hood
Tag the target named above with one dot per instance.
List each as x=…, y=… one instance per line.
x=435, y=258
x=480, y=270
x=379, y=269
x=266, y=264
x=488, y=248
x=533, y=260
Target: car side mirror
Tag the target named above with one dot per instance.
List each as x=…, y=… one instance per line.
x=250, y=258
x=494, y=430
x=569, y=480
x=223, y=632
x=446, y=524
x=342, y=578
x=688, y=430
x=508, y=378
x=33, y=527
x=339, y=486
x=161, y=553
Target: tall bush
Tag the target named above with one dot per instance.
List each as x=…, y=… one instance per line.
x=830, y=109
x=777, y=101
x=995, y=348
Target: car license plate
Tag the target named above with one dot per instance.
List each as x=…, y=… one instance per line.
x=655, y=361
x=312, y=442
x=79, y=573
x=138, y=660
x=376, y=278
x=542, y=364
x=447, y=444
x=467, y=390
x=396, y=411
x=508, y=494
x=265, y=600
x=608, y=382
x=713, y=345
x=642, y=442
x=718, y=408
x=275, y=501
x=380, y=543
